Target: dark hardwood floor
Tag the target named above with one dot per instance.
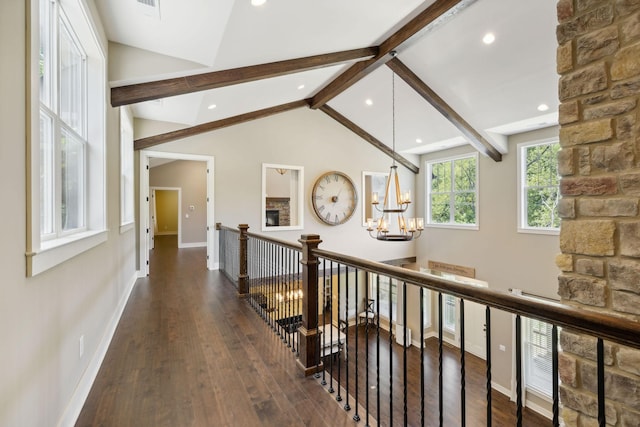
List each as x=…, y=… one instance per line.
x=189, y=352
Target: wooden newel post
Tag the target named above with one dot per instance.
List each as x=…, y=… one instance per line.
x=308, y=333
x=243, y=273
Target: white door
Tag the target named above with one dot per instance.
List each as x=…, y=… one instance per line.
x=152, y=220
x=475, y=329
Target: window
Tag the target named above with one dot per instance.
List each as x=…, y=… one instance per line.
x=452, y=192
x=449, y=314
x=536, y=341
x=426, y=308
x=538, y=187
x=67, y=154
x=385, y=291
x=126, y=167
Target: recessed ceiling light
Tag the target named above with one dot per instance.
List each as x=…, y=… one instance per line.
x=212, y=106
x=258, y=2
x=543, y=107
x=300, y=87
x=418, y=141
x=368, y=101
x=488, y=38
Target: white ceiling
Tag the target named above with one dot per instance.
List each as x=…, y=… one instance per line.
x=496, y=88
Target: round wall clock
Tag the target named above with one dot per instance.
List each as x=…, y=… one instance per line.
x=334, y=198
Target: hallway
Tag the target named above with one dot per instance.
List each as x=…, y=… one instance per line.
x=188, y=352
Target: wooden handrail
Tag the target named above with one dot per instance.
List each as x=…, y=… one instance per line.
x=596, y=324
x=592, y=323
x=294, y=246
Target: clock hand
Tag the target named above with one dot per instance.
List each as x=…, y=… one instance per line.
x=334, y=199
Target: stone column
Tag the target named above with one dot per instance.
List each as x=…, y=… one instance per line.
x=598, y=59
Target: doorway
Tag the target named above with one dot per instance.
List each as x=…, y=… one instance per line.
x=165, y=210
x=147, y=225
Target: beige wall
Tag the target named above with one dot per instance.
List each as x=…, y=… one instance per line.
x=301, y=137
x=43, y=317
x=191, y=178
x=501, y=256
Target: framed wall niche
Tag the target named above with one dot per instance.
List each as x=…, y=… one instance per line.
x=282, y=197
x=372, y=182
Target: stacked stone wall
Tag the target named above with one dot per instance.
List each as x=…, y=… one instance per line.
x=598, y=60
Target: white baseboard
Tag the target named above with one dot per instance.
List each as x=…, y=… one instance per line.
x=72, y=412
x=140, y=274
x=192, y=245
x=216, y=266
x=497, y=387
x=540, y=410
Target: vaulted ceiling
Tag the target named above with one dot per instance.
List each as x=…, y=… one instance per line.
x=180, y=59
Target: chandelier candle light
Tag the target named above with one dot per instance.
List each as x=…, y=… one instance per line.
x=395, y=201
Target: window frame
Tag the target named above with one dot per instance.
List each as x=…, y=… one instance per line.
x=392, y=285
x=44, y=252
x=428, y=168
x=523, y=227
x=528, y=361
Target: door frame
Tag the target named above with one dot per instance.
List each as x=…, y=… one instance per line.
x=152, y=190
x=143, y=205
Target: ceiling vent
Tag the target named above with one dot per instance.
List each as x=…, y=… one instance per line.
x=149, y=8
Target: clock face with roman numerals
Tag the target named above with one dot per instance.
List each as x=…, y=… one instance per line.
x=334, y=198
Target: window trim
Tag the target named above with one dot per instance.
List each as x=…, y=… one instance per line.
x=521, y=220
x=42, y=254
x=126, y=170
x=450, y=225
x=526, y=328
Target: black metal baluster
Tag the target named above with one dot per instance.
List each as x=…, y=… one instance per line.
x=296, y=348
x=317, y=374
x=338, y=397
x=404, y=350
x=262, y=276
x=280, y=288
x=289, y=285
x=518, y=371
x=440, y=382
x=378, y=348
x=554, y=373
x=346, y=337
x=487, y=328
x=324, y=311
x=463, y=403
x=331, y=390
x=422, y=356
x=356, y=416
x=602, y=419
x=274, y=287
x=366, y=356
x=391, y=351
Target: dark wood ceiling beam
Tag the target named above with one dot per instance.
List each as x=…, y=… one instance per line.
x=142, y=143
x=477, y=140
x=131, y=94
x=438, y=10
x=368, y=137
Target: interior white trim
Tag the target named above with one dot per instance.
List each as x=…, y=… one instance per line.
x=143, y=201
x=79, y=397
x=63, y=250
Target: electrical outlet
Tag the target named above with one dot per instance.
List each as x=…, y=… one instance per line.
x=81, y=345
x=503, y=348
